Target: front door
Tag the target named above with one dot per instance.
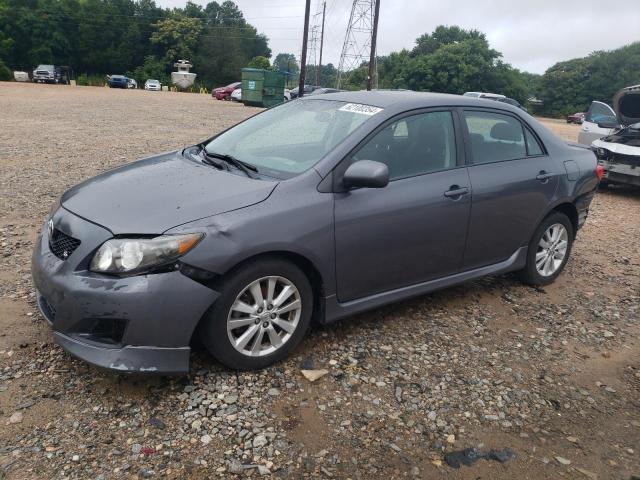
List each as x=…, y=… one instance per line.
x=598, y=113
x=414, y=229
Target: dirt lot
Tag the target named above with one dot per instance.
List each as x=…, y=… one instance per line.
x=553, y=374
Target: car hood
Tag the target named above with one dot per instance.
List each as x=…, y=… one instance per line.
x=624, y=137
x=626, y=104
x=613, y=144
x=153, y=195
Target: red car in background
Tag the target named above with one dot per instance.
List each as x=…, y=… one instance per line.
x=223, y=93
x=576, y=117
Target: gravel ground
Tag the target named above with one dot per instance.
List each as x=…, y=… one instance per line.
x=552, y=374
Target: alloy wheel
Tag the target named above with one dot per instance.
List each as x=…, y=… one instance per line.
x=552, y=249
x=264, y=316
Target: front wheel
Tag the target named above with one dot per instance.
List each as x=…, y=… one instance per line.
x=549, y=250
x=263, y=313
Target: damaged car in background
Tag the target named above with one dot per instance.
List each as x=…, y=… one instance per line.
x=619, y=152
x=310, y=211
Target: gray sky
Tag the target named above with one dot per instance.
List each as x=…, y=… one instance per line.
x=531, y=34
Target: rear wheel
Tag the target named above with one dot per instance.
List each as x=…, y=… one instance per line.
x=549, y=250
x=263, y=313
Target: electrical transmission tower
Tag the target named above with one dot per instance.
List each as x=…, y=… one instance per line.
x=357, y=42
x=312, y=48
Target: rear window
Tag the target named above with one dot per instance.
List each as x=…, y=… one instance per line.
x=495, y=137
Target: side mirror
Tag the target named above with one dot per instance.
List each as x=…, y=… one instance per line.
x=366, y=174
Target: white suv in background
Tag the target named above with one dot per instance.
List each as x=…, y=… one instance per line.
x=599, y=122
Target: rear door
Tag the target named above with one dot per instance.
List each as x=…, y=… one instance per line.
x=598, y=113
x=513, y=181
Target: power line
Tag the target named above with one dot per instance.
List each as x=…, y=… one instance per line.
x=95, y=22
x=162, y=16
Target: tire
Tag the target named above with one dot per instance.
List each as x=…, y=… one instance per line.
x=213, y=331
x=530, y=273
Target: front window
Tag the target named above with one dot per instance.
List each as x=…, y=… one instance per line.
x=414, y=145
x=287, y=140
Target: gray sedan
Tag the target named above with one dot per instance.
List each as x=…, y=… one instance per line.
x=307, y=212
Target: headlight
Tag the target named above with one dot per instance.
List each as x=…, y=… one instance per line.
x=602, y=153
x=135, y=255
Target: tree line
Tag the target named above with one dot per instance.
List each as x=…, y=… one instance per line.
x=142, y=40
x=454, y=60
x=133, y=37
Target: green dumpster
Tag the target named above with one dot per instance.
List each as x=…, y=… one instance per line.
x=262, y=88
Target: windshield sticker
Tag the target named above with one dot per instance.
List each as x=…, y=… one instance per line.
x=360, y=108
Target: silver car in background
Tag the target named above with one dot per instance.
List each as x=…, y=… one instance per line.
x=152, y=85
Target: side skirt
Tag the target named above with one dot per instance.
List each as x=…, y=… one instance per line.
x=334, y=310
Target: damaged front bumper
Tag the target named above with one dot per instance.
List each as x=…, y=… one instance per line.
x=128, y=358
x=139, y=324
x=621, y=163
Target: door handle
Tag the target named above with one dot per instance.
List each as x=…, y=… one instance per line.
x=543, y=176
x=456, y=192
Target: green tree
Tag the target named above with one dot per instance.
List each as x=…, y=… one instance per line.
x=5, y=73
x=259, y=62
x=445, y=35
x=98, y=37
x=287, y=63
x=178, y=36
x=570, y=86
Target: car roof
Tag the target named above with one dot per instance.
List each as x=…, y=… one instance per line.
x=408, y=100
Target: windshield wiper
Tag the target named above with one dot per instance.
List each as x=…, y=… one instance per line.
x=247, y=168
x=206, y=160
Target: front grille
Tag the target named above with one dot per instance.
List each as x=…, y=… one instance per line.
x=102, y=330
x=62, y=245
x=633, y=160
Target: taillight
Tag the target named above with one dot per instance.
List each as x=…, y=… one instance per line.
x=599, y=172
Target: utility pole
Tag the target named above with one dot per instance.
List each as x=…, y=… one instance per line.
x=303, y=60
x=319, y=67
x=374, y=37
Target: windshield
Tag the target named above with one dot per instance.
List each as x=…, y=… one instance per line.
x=45, y=67
x=287, y=140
